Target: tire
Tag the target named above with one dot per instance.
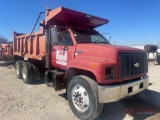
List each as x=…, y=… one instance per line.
x=82, y=96
x=27, y=72
x=36, y=72
x=18, y=67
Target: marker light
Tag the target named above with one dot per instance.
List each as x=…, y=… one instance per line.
x=93, y=65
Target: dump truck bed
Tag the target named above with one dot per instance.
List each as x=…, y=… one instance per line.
x=30, y=47
x=34, y=46
x=6, y=51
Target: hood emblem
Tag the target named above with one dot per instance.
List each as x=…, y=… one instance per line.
x=136, y=65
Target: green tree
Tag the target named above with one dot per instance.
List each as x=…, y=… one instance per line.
x=3, y=39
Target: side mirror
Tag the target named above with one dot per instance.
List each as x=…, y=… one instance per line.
x=54, y=35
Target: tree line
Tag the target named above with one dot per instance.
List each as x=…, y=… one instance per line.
x=3, y=39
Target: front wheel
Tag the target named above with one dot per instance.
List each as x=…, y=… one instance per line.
x=82, y=96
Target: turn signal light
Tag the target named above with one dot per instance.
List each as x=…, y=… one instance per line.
x=93, y=66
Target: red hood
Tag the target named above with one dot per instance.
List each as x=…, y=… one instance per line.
x=117, y=48
x=105, y=51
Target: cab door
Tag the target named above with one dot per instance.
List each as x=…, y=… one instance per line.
x=63, y=50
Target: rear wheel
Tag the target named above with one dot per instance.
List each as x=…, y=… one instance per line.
x=82, y=96
x=27, y=72
x=18, y=67
x=36, y=72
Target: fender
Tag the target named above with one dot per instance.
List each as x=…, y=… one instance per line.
x=91, y=64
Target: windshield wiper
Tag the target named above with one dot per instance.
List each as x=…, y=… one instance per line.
x=104, y=42
x=84, y=42
x=94, y=42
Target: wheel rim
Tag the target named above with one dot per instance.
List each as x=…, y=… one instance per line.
x=80, y=98
x=24, y=74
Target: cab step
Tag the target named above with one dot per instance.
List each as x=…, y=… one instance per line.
x=55, y=79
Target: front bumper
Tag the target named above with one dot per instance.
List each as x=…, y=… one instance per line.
x=117, y=92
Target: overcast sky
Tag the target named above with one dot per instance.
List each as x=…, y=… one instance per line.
x=131, y=22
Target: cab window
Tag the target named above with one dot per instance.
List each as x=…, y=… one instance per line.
x=64, y=38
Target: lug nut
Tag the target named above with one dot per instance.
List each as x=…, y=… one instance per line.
x=85, y=105
x=85, y=93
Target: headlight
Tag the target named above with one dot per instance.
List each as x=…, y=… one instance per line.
x=110, y=73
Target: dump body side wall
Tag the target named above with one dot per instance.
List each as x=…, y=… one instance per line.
x=30, y=47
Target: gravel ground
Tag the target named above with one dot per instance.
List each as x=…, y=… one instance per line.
x=19, y=101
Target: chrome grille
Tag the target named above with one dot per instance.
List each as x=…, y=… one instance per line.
x=132, y=64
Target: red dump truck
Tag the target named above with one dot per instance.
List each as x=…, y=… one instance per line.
x=73, y=55
x=6, y=52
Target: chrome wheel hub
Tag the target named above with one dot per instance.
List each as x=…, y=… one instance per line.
x=80, y=98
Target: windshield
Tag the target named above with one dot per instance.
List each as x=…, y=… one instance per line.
x=83, y=36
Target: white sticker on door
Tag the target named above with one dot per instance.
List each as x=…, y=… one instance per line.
x=61, y=57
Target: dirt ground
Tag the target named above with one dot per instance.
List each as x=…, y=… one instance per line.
x=19, y=101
